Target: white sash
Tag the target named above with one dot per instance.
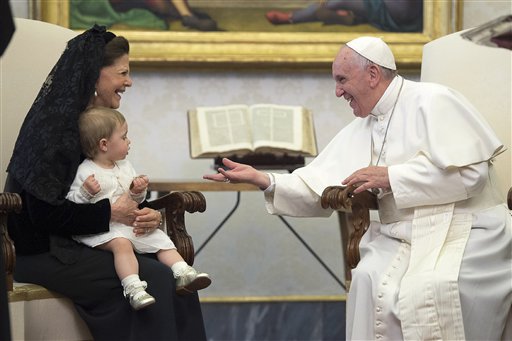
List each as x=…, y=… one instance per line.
x=429, y=296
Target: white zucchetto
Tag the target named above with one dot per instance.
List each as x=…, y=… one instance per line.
x=374, y=49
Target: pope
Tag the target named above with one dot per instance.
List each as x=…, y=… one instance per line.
x=437, y=262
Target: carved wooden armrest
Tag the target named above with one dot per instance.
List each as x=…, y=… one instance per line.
x=358, y=207
x=9, y=202
x=174, y=206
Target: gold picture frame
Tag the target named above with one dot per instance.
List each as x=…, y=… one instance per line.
x=265, y=50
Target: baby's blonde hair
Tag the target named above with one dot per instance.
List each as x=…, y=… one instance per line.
x=97, y=123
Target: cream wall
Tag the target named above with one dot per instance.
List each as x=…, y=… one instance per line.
x=253, y=254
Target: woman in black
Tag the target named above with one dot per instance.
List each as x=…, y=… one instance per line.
x=93, y=70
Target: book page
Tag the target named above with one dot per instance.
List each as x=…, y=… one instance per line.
x=278, y=126
x=309, y=147
x=224, y=128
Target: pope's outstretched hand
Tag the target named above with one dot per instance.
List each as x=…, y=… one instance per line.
x=239, y=173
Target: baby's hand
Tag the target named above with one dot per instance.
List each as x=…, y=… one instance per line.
x=91, y=185
x=139, y=184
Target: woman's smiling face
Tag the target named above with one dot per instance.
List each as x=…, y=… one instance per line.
x=112, y=82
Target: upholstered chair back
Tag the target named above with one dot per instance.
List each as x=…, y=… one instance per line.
x=482, y=74
x=34, y=49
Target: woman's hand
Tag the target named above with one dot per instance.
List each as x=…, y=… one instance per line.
x=239, y=173
x=123, y=210
x=126, y=211
x=146, y=221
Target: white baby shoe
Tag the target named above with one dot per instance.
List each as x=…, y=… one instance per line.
x=137, y=295
x=189, y=281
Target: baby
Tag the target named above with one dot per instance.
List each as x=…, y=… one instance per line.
x=106, y=173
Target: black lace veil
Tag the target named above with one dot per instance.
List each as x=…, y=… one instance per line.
x=47, y=152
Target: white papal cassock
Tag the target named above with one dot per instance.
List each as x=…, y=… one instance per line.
x=438, y=264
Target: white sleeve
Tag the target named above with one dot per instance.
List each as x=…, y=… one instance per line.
x=418, y=182
x=139, y=197
x=269, y=191
x=131, y=173
x=289, y=195
x=76, y=192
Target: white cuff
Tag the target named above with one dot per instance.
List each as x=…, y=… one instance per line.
x=88, y=196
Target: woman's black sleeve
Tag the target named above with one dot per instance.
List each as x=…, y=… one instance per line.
x=68, y=218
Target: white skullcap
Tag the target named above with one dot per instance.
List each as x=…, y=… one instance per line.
x=375, y=50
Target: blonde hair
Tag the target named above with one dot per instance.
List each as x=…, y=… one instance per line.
x=97, y=123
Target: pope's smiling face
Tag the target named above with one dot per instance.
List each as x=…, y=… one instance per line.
x=353, y=81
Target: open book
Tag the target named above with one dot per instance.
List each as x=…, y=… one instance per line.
x=241, y=130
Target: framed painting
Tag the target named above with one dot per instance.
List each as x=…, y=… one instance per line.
x=250, y=34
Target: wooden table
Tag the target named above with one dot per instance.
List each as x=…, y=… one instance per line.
x=198, y=185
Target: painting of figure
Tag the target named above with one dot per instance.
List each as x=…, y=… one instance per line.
x=251, y=16
x=386, y=15
x=302, y=34
x=139, y=14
